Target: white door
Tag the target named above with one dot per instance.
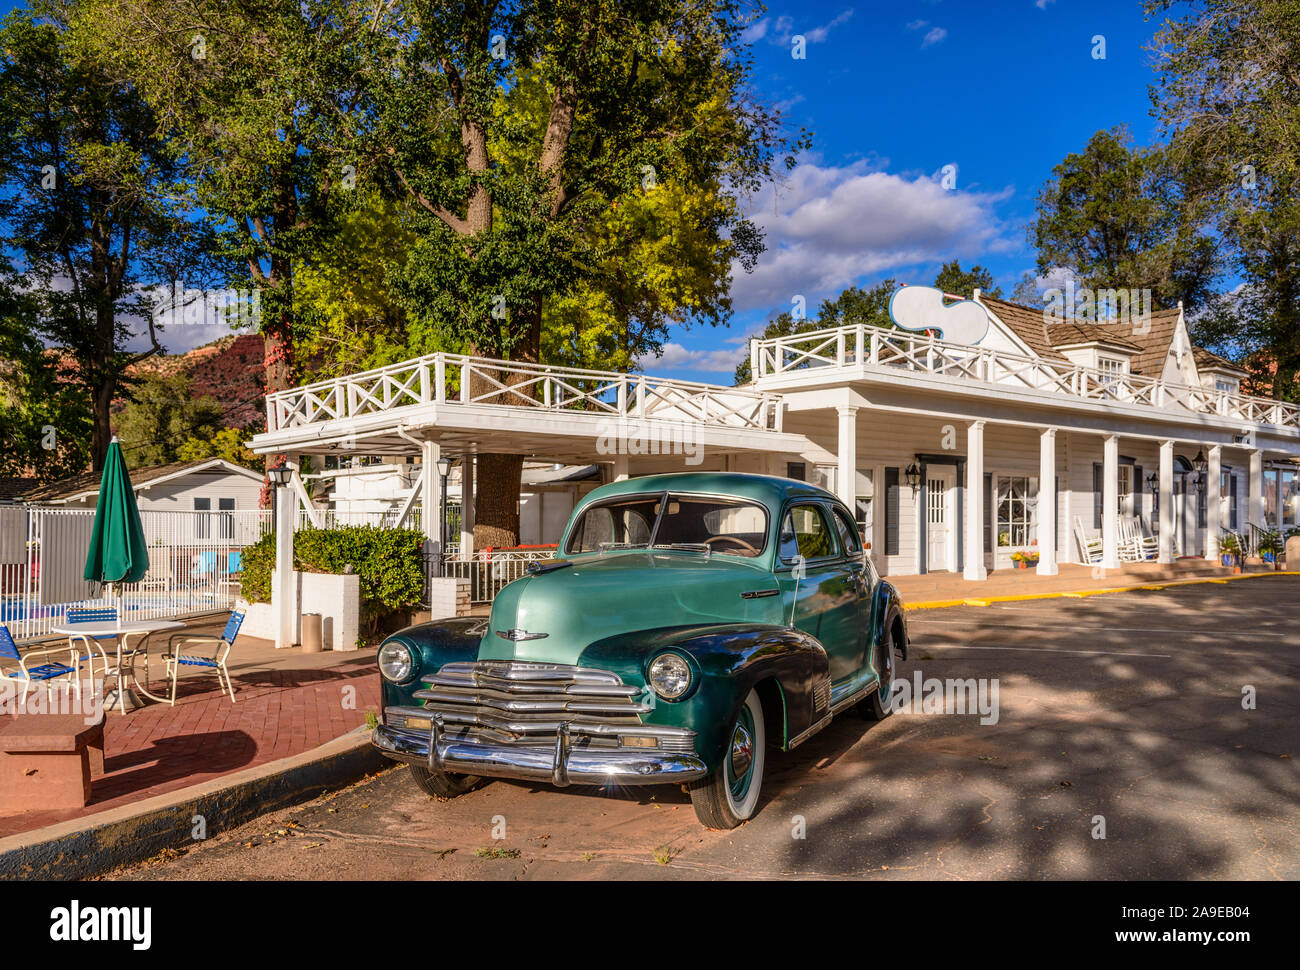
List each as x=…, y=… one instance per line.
x=940, y=523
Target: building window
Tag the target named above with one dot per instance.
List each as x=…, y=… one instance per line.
x=863, y=505
x=1270, y=498
x=226, y=522
x=1017, y=520
x=1290, y=499
x=795, y=470
x=1225, y=385
x=202, y=526
x=1112, y=369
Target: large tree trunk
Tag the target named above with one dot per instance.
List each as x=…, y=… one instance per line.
x=496, y=493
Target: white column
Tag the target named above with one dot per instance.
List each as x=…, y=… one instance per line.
x=620, y=468
x=285, y=593
x=1166, y=549
x=431, y=502
x=1213, y=503
x=467, y=483
x=973, y=568
x=1047, y=503
x=1110, y=502
x=846, y=478
x=1255, y=491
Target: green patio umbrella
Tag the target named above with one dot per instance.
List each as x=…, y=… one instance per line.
x=117, y=547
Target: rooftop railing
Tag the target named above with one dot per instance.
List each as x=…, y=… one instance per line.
x=856, y=346
x=457, y=379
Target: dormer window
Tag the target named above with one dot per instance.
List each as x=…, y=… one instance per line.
x=1112, y=369
x=1226, y=385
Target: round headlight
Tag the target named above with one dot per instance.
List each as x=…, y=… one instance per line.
x=396, y=662
x=670, y=676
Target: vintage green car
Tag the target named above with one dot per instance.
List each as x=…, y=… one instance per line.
x=689, y=623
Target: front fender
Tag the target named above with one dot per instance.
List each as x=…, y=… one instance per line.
x=729, y=660
x=435, y=643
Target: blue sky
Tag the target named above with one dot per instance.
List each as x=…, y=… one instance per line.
x=893, y=93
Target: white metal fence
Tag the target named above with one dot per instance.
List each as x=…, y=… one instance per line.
x=195, y=559
x=490, y=570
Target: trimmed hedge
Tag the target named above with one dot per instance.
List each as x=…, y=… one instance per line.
x=389, y=563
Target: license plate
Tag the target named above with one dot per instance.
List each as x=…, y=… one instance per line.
x=418, y=723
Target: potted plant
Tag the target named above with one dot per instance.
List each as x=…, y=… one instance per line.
x=1270, y=547
x=1230, y=550
x=1023, y=560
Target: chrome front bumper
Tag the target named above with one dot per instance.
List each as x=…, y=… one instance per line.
x=561, y=764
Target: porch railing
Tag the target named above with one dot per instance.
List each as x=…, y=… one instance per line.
x=444, y=378
x=861, y=345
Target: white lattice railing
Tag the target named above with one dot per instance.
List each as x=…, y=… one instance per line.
x=855, y=346
x=457, y=379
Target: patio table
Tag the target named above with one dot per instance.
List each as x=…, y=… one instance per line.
x=115, y=629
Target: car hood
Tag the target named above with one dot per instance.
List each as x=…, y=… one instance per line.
x=600, y=596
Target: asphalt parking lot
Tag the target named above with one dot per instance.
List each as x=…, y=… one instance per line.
x=1123, y=711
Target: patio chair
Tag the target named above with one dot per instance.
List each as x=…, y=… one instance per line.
x=1147, y=545
x=1089, y=548
x=86, y=649
x=175, y=660
x=41, y=672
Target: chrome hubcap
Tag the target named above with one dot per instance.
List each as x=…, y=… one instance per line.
x=742, y=752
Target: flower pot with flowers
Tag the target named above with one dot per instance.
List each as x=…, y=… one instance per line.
x=1229, y=549
x=1023, y=560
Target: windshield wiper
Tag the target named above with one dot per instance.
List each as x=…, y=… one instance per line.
x=689, y=547
x=606, y=546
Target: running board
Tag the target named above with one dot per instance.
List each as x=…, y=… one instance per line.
x=836, y=708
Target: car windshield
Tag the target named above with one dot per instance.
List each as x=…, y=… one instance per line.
x=671, y=521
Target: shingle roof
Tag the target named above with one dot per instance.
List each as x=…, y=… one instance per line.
x=1212, y=361
x=89, y=481
x=1064, y=334
x=12, y=487
x=1154, y=343
x=1026, y=323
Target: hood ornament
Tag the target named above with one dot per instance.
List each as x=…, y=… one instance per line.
x=517, y=635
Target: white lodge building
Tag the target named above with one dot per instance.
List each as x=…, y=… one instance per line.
x=1061, y=439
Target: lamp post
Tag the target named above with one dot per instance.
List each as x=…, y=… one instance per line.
x=444, y=469
x=1153, y=483
x=1200, y=464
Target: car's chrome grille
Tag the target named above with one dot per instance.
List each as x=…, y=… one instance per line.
x=507, y=701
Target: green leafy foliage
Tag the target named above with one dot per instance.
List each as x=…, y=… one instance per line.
x=162, y=416
x=388, y=562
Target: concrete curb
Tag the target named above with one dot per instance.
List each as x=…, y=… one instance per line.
x=1080, y=593
x=93, y=844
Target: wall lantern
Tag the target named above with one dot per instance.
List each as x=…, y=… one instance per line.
x=913, y=476
x=280, y=474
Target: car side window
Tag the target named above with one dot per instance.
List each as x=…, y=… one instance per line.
x=805, y=532
x=847, y=529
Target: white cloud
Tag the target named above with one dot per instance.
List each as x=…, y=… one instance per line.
x=935, y=36
x=1042, y=4
x=676, y=356
x=781, y=30
x=918, y=24
x=828, y=227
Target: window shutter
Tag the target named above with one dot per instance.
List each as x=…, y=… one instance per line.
x=1097, y=493
x=989, y=524
x=1139, y=491
x=1232, y=502
x=891, y=511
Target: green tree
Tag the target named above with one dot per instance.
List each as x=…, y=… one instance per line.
x=227, y=443
x=45, y=420
x=1228, y=98
x=959, y=282
x=90, y=188
x=516, y=127
x=163, y=415
x=1118, y=217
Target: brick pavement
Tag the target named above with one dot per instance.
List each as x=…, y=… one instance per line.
x=287, y=702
